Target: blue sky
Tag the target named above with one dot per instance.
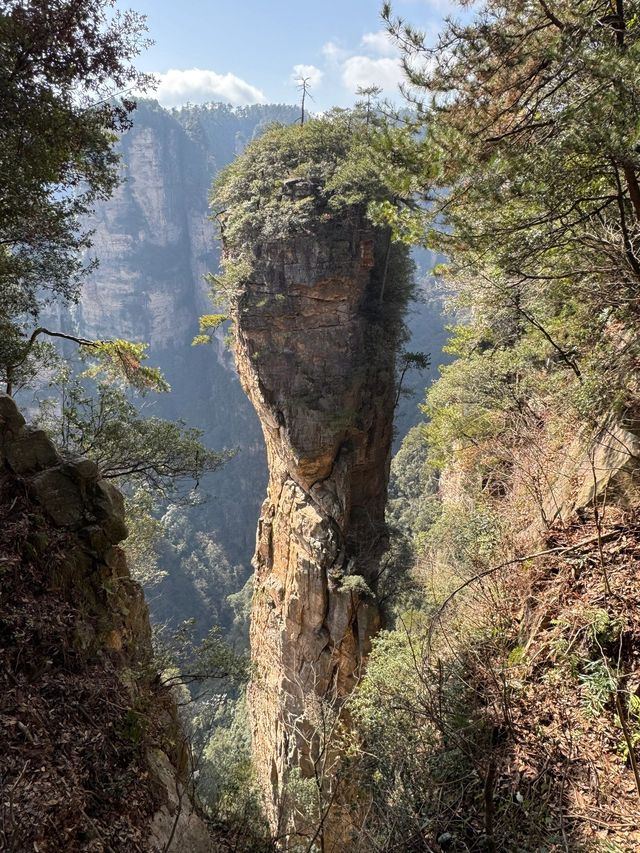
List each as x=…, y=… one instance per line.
x=248, y=51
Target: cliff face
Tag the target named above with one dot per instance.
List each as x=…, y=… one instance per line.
x=155, y=243
x=314, y=358
x=92, y=753
x=153, y=238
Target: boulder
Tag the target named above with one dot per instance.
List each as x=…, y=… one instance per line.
x=109, y=509
x=59, y=496
x=10, y=418
x=29, y=451
x=176, y=826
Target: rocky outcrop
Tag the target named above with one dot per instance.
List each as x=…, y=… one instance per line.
x=93, y=756
x=596, y=466
x=315, y=352
x=154, y=243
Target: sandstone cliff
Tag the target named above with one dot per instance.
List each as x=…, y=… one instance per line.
x=315, y=351
x=92, y=753
x=154, y=244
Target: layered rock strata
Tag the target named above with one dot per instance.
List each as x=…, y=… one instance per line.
x=315, y=351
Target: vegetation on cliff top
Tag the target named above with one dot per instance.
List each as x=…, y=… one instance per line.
x=291, y=174
x=294, y=178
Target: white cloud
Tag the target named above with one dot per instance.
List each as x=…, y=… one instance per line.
x=365, y=71
x=379, y=42
x=308, y=72
x=376, y=63
x=199, y=85
x=333, y=53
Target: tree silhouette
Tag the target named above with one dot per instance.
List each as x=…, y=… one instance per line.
x=304, y=86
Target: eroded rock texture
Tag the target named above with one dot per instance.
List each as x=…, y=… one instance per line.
x=93, y=753
x=315, y=352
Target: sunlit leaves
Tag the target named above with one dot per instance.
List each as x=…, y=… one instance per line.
x=208, y=323
x=123, y=360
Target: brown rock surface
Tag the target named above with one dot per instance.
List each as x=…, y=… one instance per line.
x=315, y=351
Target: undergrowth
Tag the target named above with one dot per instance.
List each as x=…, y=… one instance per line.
x=508, y=719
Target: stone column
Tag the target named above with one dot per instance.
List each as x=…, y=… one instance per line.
x=317, y=360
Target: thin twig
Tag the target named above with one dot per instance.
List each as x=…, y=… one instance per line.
x=561, y=549
x=629, y=741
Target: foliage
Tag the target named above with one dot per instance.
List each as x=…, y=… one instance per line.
x=295, y=179
x=200, y=575
x=186, y=660
x=597, y=685
x=22, y=364
x=355, y=584
x=240, y=604
x=368, y=103
x=208, y=324
x=209, y=677
x=150, y=459
x=406, y=363
x=123, y=360
x=129, y=448
x=24, y=359
x=65, y=74
x=62, y=65
x=413, y=505
x=524, y=151
x=416, y=720
x=143, y=542
x=228, y=284
x=277, y=186
x=226, y=780
x=531, y=132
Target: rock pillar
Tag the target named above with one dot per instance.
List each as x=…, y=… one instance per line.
x=315, y=353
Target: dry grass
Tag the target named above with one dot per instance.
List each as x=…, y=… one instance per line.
x=575, y=665
x=543, y=661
